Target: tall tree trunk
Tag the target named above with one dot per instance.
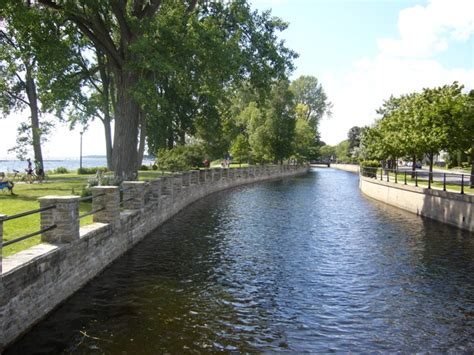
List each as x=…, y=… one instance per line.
x=124, y=154
x=108, y=142
x=33, y=103
x=431, y=158
x=106, y=94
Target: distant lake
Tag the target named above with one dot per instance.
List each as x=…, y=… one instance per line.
x=68, y=163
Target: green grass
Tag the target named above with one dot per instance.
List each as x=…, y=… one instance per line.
x=26, y=199
x=423, y=182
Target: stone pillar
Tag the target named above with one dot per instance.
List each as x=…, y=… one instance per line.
x=194, y=177
x=209, y=176
x=216, y=175
x=155, y=190
x=134, y=195
x=202, y=177
x=177, y=184
x=251, y=170
x=186, y=179
x=107, y=197
x=65, y=216
x=2, y=216
x=224, y=174
x=167, y=186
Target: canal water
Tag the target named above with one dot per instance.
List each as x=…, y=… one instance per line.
x=304, y=264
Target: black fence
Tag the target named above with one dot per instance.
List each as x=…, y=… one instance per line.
x=24, y=214
x=438, y=180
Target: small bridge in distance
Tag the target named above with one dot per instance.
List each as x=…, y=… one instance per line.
x=320, y=164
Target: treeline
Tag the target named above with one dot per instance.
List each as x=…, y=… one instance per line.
x=157, y=74
x=419, y=125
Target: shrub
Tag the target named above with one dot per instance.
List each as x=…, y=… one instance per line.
x=144, y=168
x=101, y=181
x=60, y=170
x=93, y=170
x=372, y=165
x=180, y=158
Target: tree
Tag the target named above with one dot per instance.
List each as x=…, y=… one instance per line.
x=240, y=148
x=114, y=27
x=309, y=92
x=327, y=152
x=342, y=152
x=462, y=134
x=354, y=136
x=26, y=39
x=280, y=121
x=303, y=141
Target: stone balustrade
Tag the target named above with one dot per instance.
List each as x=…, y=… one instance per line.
x=36, y=280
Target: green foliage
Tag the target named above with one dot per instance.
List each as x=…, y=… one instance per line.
x=371, y=166
x=342, y=152
x=421, y=124
x=92, y=170
x=240, y=149
x=180, y=158
x=60, y=170
x=303, y=142
x=99, y=181
x=327, y=153
x=310, y=93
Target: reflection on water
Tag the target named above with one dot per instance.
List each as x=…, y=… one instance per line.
x=306, y=264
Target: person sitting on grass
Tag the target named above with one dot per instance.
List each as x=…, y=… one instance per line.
x=7, y=185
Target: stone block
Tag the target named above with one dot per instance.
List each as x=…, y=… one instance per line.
x=65, y=215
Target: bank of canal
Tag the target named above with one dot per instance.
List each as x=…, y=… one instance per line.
x=304, y=264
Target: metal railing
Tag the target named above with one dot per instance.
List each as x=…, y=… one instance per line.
x=89, y=198
x=431, y=179
x=122, y=201
x=24, y=214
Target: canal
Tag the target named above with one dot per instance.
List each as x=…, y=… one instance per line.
x=304, y=264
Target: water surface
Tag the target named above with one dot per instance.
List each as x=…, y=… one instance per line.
x=304, y=264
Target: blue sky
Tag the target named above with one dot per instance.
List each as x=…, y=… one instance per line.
x=362, y=51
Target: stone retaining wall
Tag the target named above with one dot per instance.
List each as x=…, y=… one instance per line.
x=447, y=207
x=34, y=281
x=353, y=168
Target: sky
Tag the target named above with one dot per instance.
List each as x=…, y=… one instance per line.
x=361, y=51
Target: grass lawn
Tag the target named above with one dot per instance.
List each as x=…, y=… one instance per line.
x=26, y=199
x=423, y=182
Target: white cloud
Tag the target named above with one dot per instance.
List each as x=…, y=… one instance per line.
x=399, y=67
x=427, y=30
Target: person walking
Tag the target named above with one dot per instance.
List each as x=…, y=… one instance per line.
x=29, y=171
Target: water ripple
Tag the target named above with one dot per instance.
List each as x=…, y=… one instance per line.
x=301, y=265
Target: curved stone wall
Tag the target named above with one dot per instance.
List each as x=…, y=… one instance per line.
x=447, y=207
x=34, y=281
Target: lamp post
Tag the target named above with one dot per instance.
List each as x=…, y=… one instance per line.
x=80, y=156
